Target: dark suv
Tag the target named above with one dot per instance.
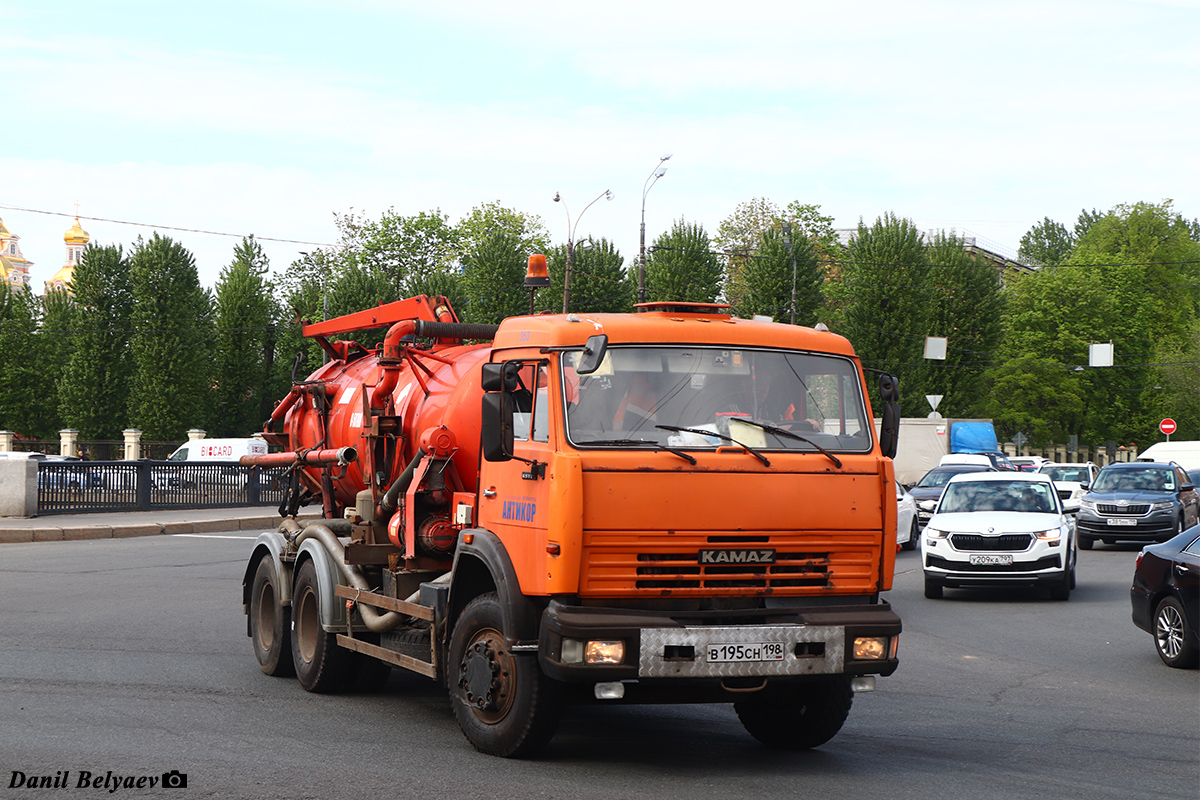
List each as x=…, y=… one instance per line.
x=1142, y=501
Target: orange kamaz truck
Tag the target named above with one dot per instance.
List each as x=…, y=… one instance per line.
x=668, y=506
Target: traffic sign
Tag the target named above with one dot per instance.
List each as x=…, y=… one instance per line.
x=1167, y=426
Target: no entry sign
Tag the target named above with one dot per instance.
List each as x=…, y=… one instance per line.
x=1167, y=426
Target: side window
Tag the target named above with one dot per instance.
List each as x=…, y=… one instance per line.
x=531, y=404
x=541, y=405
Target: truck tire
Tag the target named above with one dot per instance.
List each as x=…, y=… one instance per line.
x=270, y=623
x=505, y=706
x=321, y=666
x=799, y=717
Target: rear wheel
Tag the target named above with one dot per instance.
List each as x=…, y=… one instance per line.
x=1175, y=642
x=269, y=622
x=799, y=717
x=933, y=588
x=504, y=704
x=321, y=666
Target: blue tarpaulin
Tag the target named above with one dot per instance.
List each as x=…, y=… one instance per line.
x=973, y=437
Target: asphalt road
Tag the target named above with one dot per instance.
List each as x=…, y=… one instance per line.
x=130, y=656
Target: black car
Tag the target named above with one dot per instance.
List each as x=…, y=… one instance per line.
x=1166, y=597
x=1139, y=501
x=928, y=490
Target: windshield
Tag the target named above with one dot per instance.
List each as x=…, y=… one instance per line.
x=755, y=397
x=1134, y=480
x=1076, y=474
x=940, y=477
x=1024, y=496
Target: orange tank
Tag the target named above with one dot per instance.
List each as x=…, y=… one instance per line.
x=383, y=400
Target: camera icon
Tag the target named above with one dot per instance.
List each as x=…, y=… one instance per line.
x=174, y=780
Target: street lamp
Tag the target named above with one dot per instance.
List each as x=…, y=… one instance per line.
x=608, y=195
x=658, y=171
x=787, y=239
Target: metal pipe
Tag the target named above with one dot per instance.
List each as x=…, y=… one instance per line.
x=389, y=502
x=312, y=458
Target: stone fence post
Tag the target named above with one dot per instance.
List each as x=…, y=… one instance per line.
x=133, y=444
x=6, y=441
x=68, y=442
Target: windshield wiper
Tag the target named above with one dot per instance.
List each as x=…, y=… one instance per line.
x=789, y=435
x=720, y=436
x=655, y=445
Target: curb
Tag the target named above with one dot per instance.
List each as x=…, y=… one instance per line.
x=70, y=532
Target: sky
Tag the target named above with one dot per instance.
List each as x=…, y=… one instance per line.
x=271, y=117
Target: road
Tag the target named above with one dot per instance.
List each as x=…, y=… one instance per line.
x=130, y=656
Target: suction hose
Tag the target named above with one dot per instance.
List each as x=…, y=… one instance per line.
x=323, y=532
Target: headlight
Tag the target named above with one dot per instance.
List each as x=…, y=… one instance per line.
x=927, y=505
x=934, y=533
x=870, y=648
x=593, y=651
x=1050, y=537
x=1090, y=505
x=1162, y=505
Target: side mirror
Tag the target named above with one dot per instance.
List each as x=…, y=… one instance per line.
x=593, y=354
x=500, y=377
x=496, y=423
x=889, y=429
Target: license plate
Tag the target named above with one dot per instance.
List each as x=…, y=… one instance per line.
x=735, y=653
x=1118, y=521
x=990, y=560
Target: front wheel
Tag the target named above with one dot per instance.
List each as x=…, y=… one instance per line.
x=504, y=704
x=1085, y=542
x=914, y=536
x=1176, y=644
x=933, y=588
x=798, y=718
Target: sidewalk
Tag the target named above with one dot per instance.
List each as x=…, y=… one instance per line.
x=63, y=527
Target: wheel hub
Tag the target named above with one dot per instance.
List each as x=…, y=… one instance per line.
x=486, y=676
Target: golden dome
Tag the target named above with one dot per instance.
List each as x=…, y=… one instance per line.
x=3, y=230
x=64, y=274
x=76, y=235
x=5, y=266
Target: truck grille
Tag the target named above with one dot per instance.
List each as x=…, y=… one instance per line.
x=680, y=571
x=1009, y=542
x=1132, y=511
x=618, y=563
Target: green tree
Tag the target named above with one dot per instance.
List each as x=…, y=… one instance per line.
x=488, y=218
x=965, y=306
x=769, y=273
x=410, y=250
x=56, y=342
x=244, y=351
x=1048, y=243
x=94, y=387
x=22, y=408
x=171, y=389
x=599, y=281
x=682, y=266
x=493, y=276
x=357, y=289
x=883, y=300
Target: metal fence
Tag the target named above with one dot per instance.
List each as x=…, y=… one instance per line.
x=66, y=487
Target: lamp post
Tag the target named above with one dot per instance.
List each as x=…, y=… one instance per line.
x=787, y=239
x=658, y=171
x=608, y=195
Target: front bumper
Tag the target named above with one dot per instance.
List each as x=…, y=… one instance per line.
x=1155, y=526
x=674, y=647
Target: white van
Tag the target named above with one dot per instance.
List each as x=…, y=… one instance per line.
x=1186, y=453
x=219, y=449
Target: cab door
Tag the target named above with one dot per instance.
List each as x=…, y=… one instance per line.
x=514, y=494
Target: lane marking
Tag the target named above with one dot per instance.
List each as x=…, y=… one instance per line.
x=209, y=536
